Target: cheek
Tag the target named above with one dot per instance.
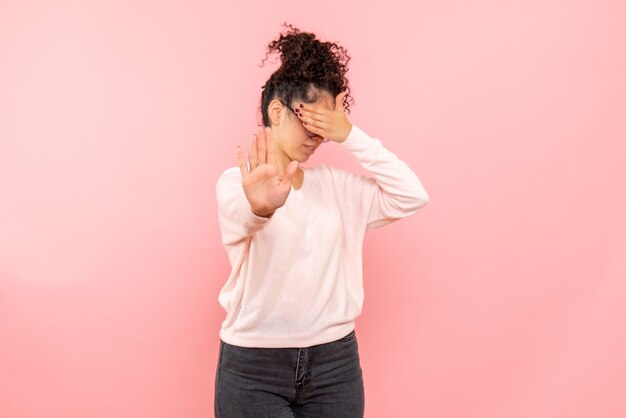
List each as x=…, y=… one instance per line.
x=298, y=137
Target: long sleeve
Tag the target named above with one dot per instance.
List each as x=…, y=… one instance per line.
x=297, y=278
x=236, y=220
x=394, y=192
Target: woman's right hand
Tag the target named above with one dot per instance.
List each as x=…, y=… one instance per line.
x=263, y=187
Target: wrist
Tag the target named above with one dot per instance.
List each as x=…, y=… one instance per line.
x=262, y=214
x=347, y=130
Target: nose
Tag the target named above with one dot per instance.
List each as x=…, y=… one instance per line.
x=315, y=137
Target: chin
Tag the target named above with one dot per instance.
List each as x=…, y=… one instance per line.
x=300, y=156
x=304, y=157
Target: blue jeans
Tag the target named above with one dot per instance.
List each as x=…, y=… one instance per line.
x=322, y=381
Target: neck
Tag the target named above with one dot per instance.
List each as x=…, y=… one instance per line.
x=282, y=160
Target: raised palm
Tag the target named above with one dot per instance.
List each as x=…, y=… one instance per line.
x=265, y=190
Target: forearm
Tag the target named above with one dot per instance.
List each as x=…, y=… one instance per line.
x=399, y=184
x=236, y=218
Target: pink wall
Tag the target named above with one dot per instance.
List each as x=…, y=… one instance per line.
x=504, y=297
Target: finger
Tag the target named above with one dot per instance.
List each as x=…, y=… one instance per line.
x=261, y=147
x=290, y=170
x=311, y=117
x=315, y=110
x=339, y=101
x=242, y=163
x=316, y=127
x=271, y=150
x=252, y=156
x=318, y=132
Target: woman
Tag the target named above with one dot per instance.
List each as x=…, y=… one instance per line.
x=294, y=237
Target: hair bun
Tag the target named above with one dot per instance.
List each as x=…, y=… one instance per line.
x=305, y=61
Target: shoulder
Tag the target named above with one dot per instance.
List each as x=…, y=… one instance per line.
x=229, y=180
x=230, y=174
x=231, y=171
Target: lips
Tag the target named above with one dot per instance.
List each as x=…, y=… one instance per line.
x=310, y=148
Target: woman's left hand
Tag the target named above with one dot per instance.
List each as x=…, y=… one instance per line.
x=331, y=125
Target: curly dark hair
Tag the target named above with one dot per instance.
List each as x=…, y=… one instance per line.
x=308, y=65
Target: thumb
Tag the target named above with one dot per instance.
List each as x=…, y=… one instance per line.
x=290, y=170
x=339, y=100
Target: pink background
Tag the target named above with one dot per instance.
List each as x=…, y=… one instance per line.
x=504, y=297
